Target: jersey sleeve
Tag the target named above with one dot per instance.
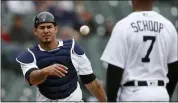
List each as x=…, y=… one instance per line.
x=173, y=54
x=114, y=52
x=27, y=62
x=80, y=60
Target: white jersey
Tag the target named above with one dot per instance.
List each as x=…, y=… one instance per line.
x=142, y=44
x=82, y=66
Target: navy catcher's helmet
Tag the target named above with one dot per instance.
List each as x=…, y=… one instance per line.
x=43, y=17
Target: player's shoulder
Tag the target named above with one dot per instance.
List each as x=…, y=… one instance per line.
x=68, y=40
x=25, y=57
x=164, y=20
x=168, y=25
x=120, y=27
x=123, y=23
x=77, y=49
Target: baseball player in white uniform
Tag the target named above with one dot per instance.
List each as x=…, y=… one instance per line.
x=141, y=48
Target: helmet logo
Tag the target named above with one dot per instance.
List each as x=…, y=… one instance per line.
x=43, y=17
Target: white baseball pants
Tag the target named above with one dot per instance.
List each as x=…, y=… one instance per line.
x=143, y=93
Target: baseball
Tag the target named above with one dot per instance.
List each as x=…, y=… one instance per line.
x=84, y=30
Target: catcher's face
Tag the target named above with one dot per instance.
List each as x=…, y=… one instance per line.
x=46, y=32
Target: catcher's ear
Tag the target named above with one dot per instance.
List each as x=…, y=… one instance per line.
x=35, y=31
x=56, y=29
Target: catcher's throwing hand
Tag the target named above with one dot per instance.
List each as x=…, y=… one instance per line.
x=57, y=70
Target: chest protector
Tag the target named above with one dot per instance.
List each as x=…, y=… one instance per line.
x=55, y=87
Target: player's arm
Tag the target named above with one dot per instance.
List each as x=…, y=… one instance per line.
x=94, y=86
x=39, y=76
x=115, y=55
x=35, y=76
x=113, y=84
x=86, y=74
x=173, y=77
x=172, y=62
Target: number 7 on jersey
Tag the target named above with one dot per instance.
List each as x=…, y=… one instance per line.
x=145, y=38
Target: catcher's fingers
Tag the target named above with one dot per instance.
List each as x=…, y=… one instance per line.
x=61, y=68
x=58, y=73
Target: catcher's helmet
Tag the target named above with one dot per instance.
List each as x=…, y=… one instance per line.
x=43, y=17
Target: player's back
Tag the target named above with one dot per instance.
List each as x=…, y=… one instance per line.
x=148, y=38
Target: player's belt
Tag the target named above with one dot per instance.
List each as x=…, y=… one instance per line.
x=145, y=83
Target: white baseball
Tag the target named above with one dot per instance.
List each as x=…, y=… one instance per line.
x=84, y=30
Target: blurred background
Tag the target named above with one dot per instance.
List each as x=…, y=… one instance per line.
x=100, y=16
